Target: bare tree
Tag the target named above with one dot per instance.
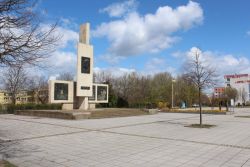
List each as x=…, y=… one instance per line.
x=39, y=87
x=230, y=93
x=201, y=74
x=66, y=76
x=185, y=91
x=23, y=37
x=103, y=77
x=15, y=80
x=160, y=85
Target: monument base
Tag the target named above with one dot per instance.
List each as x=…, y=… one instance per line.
x=91, y=106
x=67, y=106
x=83, y=103
x=70, y=114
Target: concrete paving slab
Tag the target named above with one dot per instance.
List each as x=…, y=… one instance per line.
x=154, y=140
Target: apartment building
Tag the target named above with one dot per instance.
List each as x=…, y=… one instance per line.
x=241, y=82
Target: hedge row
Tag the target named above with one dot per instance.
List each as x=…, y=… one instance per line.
x=10, y=108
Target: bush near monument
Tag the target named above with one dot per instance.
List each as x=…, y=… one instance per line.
x=11, y=108
x=115, y=112
x=5, y=163
x=192, y=110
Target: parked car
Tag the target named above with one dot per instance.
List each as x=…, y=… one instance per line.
x=195, y=105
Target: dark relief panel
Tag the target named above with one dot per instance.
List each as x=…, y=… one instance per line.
x=101, y=93
x=85, y=65
x=61, y=91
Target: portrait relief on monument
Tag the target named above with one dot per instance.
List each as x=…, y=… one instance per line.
x=101, y=93
x=85, y=65
x=61, y=91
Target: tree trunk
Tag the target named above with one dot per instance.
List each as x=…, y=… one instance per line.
x=13, y=99
x=227, y=103
x=200, y=106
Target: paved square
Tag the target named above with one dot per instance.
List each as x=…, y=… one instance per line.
x=148, y=141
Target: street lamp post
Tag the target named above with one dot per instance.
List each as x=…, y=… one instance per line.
x=173, y=81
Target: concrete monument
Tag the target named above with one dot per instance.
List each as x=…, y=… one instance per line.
x=82, y=94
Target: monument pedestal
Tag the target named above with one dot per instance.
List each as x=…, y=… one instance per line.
x=67, y=106
x=83, y=103
x=91, y=106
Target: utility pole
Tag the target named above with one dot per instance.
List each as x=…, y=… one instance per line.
x=173, y=81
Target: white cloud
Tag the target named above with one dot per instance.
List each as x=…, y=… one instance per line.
x=223, y=63
x=114, y=71
x=60, y=62
x=157, y=65
x=65, y=21
x=111, y=59
x=120, y=9
x=67, y=35
x=136, y=34
x=64, y=58
x=68, y=23
x=248, y=32
x=53, y=77
x=178, y=54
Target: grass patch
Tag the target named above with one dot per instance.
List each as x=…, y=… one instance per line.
x=116, y=112
x=4, y=163
x=194, y=111
x=243, y=116
x=200, y=126
x=205, y=111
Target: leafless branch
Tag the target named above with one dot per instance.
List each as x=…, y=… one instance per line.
x=23, y=37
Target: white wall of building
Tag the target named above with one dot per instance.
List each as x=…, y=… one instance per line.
x=241, y=82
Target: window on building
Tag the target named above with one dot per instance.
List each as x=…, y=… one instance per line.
x=228, y=79
x=228, y=84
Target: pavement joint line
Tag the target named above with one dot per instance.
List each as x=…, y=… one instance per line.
x=44, y=136
x=230, y=158
x=74, y=127
x=69, y=133
x=194, y=158
x=182, y=140
x=146, y=123
x=45, y=123
x=104, y=130
x=245, y=162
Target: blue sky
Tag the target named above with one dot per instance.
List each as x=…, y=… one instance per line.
x=154, y=35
